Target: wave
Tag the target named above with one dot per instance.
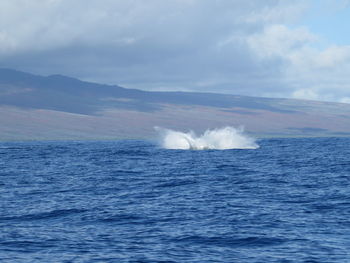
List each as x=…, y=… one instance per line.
x=220, y=139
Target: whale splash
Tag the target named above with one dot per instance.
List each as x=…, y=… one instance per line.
x=219, y=139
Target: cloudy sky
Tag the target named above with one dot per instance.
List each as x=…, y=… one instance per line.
x=285, y=48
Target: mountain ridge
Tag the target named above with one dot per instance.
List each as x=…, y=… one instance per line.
x=84, y=110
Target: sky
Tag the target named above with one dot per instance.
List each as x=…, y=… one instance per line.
x=271, y=48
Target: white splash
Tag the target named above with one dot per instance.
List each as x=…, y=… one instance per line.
x=220, y=139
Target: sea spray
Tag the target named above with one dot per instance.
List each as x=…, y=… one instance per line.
x=220, y=139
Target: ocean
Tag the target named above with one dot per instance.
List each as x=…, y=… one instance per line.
x=285, y=200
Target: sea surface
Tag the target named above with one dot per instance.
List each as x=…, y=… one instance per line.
x=132, y=201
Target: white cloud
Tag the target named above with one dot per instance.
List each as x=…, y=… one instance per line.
x=308, y=72
x=238, y=46
x=48, y=24
x=307, y=94
x=333, y=57
x=345, y=100
x=279, y=40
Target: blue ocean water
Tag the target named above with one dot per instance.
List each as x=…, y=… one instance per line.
x=131, y=201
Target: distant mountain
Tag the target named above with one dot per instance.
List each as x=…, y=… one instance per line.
x=60, y=107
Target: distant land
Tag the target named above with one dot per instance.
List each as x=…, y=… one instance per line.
x=57, y=107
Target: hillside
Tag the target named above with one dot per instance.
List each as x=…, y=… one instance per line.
x=58, y=107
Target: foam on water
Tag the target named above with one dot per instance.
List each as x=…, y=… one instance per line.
x=220, y=139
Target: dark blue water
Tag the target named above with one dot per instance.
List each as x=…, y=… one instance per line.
x=130, y=201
